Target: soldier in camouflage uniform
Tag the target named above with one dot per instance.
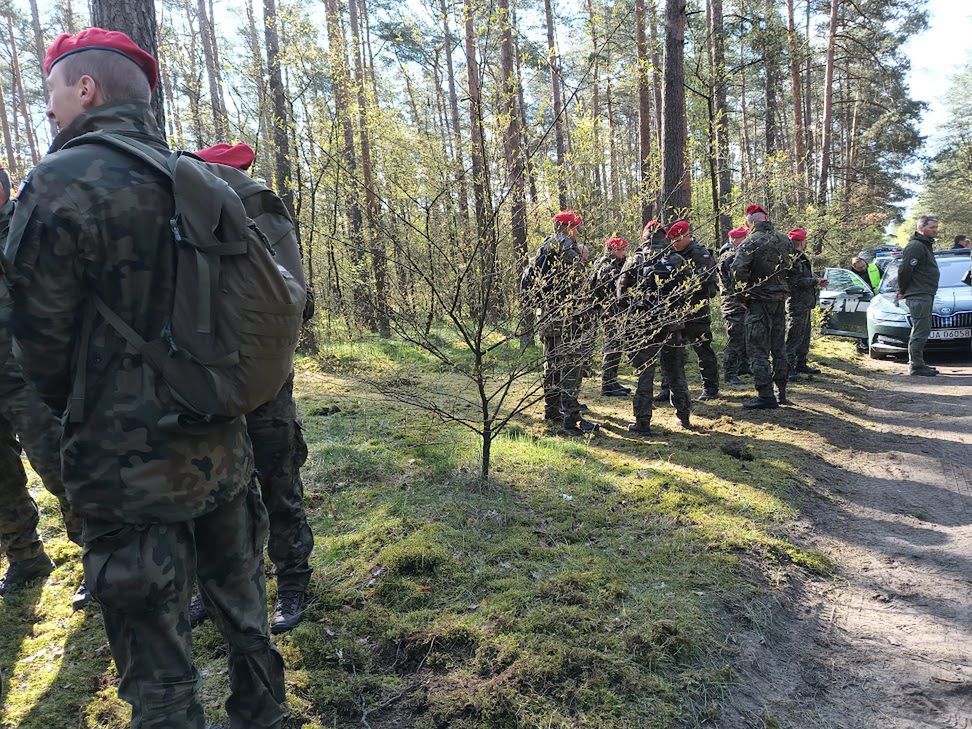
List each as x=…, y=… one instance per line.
x=26, y=421
x=163, y=508
x=557, y=283
x=274, y=428
x=803, y=300
x=734, y=356
x=653, y=288
x=697, y=331
x=762, y=272
x=604, y=284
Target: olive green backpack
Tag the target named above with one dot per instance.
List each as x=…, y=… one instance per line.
x=228, y=344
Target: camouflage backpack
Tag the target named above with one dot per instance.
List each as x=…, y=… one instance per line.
x=229, y=341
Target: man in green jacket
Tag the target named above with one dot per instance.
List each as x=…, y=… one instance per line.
x=917, y=284
x=162, y=507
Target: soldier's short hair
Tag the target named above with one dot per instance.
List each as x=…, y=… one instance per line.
x=119, y=78
x=926, y=219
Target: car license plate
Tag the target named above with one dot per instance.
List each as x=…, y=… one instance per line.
x=950, y=334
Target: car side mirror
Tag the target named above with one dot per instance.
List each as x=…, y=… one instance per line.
x=855, y=291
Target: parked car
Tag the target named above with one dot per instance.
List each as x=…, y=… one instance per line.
x=882, y=325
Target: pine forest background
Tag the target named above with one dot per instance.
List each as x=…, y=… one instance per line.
x=400, y=131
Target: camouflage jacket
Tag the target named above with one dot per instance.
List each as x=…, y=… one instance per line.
x=654, y=284
x=559, y=279
x=803, y=284
x=731, y=303
x=761, y=270
x=89, y=219
x=604, y=282
x=703, y=276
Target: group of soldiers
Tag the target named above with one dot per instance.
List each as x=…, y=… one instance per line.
x=162, y=505
x=655, y=304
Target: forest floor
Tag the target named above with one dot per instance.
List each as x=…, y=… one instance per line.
x=803, y=567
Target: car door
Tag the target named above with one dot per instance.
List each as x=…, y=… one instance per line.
x=844, y=304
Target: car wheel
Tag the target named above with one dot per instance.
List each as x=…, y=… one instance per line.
x=863, y=346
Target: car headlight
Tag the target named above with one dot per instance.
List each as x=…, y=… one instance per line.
x=883, y=312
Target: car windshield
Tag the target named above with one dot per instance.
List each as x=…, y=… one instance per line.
x=952, y=271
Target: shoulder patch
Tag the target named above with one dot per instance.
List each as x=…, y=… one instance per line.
x=913, y=262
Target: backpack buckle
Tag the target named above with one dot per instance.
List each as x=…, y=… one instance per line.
x=176, y=230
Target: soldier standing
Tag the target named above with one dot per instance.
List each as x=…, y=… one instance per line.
x=274, y=428
x=698, y=325
x=163, y=507
x=653, y=288
x=918, y=277
x=761, y=272
x=734, y=356
x=804, y=288
x=604, y=285
x=25, y=421
x=555, y=280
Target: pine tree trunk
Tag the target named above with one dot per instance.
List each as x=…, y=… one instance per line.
x=720, y=125
x=373, y=235
x=12, y=165
x=18, y=85
x=476, y=136
x=215, y=97
x=454, y=111
x=217, y=66
x=40, y=50
x=676, y=183
x=136, y=18
x=558, y=106
x=600, y=184
x=644, y=112
x=799, y=147
x=808, y=104
x=283, y=181
x=612, y=147
x=769, y=65
x=828, y=113
x=342, y=107
x=257, y=68
x=656, y=71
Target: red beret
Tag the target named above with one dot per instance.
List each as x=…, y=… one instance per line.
x=750, y=209
x=741, y=232
x=99, y=39
x=650, y=227
x=677, y=229
x=240, y=155
x=797, y=234
x=617, y=243
x=569, y=218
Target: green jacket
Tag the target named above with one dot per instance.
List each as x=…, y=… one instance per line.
x=761, y=269
x=918, y=273
x=88, y=219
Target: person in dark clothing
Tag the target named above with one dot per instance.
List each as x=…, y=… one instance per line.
x=961, y=241
x=604, y=281
x=804, y=288
x=735, y=359
x=918, y=277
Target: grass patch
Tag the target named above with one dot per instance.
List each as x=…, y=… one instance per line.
x=593, y=584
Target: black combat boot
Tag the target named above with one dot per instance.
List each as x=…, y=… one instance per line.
x=709, y=395
x=924, y=371
x=82, y=598
x=577, y=425
x=615, y=389
x=806, y=369
x=640, y=427
x=733, y=380
x=198, y=614
x=683, y=420
x=288, y=612
x=761, y=402
x=794, y=376
x=781, y=395
x=24, y=571
x=663, y=395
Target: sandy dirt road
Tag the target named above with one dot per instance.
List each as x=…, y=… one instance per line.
x=888, y=643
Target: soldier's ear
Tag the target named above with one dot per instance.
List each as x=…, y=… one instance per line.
x=88, y=92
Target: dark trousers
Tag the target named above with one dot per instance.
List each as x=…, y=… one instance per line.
x=734, y=356
x=766, y=337
x=279, y=451
x=670, y=353
x=697, y=334
x=612, y=351
x=143, y=575
x=562, y=370
x=920, y=308
x=797, y=338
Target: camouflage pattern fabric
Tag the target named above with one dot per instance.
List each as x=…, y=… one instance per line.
x=798, y=337
x=607, y=270
x=735, y=357
x=697, y=334
x=562, y=370
x=279, y=451
x=766, y=337
x=90, y=218
x=670, y=354
x=23, y=416
x=611, y=360
x=143, y=575
x=761, y=269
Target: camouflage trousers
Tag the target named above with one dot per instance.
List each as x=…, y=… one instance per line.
x=611, y=361
x=26, y=421
x=562, y=370
x=697, y=334
x=734, y=356
x=670, y=354
x=797, y=338
x=766, y=337
x=142, y=576
x=279, y=451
